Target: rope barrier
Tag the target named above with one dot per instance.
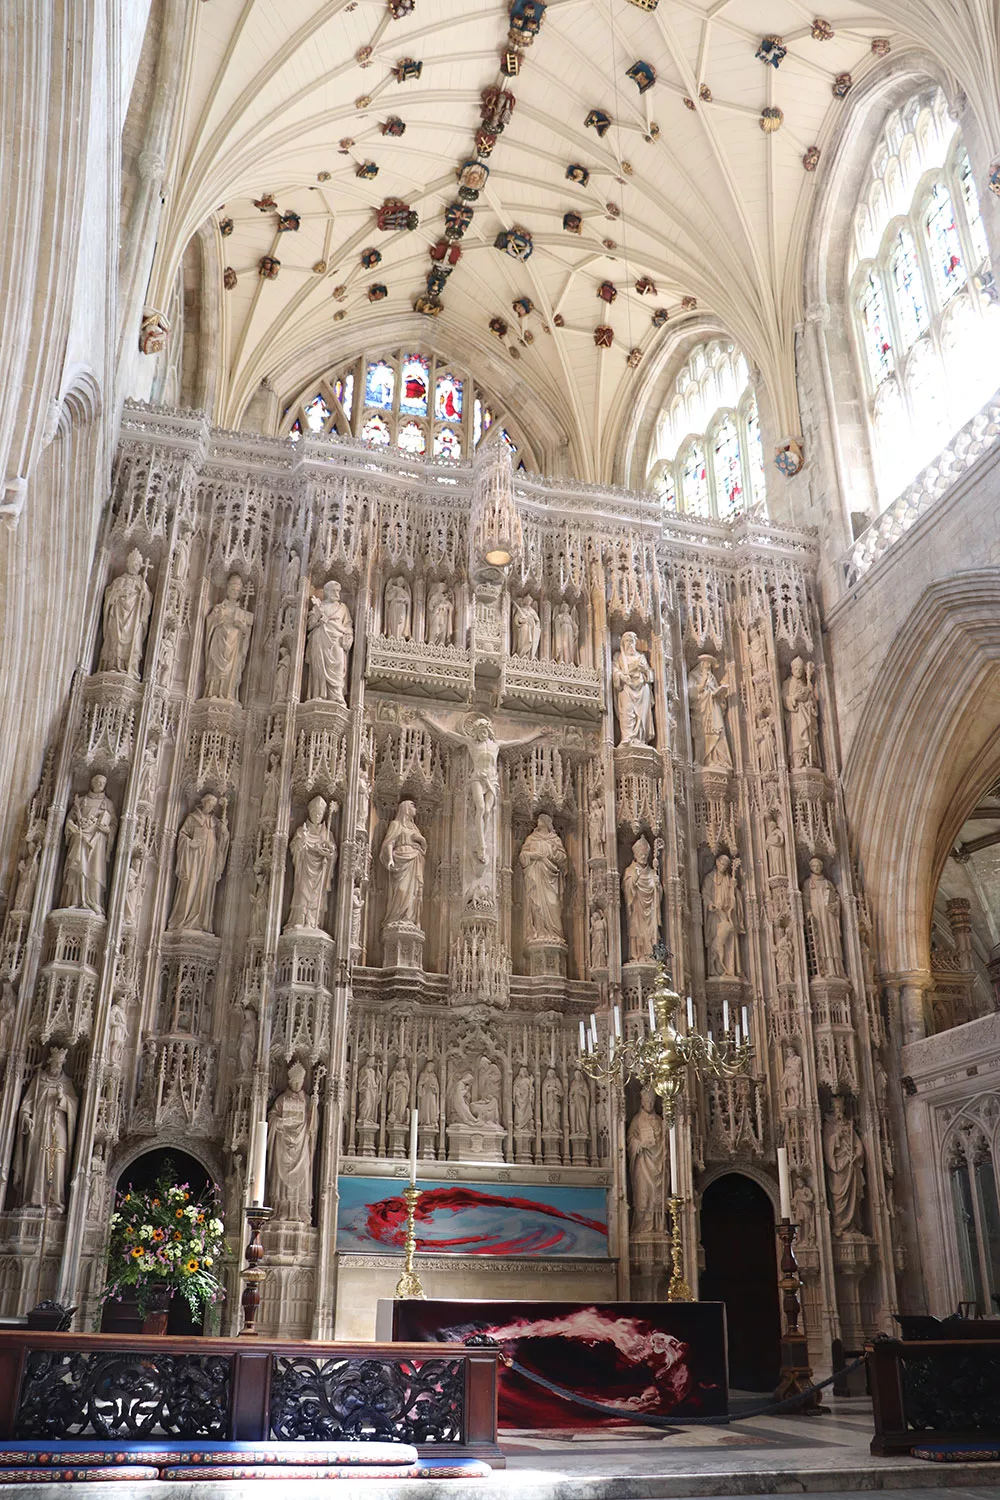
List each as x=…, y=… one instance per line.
x=669, y=1422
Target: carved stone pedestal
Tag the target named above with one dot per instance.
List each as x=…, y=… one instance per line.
x=64, y=1000
x=303, y=988
x=522, y=1145
x=579, y=1152
x=551, y=1147
x=476, y=1142
x=427, y=1140
x=402, y=946
x=649, y=1266
x=852, y=1257
x=637, y=984
x=398, y=1140
x=546, y=957
x=366, y=1139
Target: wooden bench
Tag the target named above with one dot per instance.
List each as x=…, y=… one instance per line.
x=935, y=1391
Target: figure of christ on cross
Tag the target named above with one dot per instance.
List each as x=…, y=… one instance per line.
x=483, y=748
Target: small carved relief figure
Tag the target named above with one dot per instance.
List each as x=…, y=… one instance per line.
x=259, y=900
x=399, y=1095
x=821, y=902
x=598, y=939
x=775, y=844
x=579, y=1105
x=722, y=903
x=632, y=678
x=801, y=699
x=527, y=628
x=117, y=1034
x=8, y=1007
x=282, y=673
x=398, y=605
x=764, y=738
x=565, y=634
x=127, y=603
x=90, y=833
x=314, y=855
x=784, y=955
x=552, y=1102
x=792, y=1086
x=643, y=893
x=543, y=861
x=202, y=847
x=368, y=1093
x=291, y=1139
x=403, y=853
x=524, y=1102
x=440, y=615
x=596, y=816
x=803, y=1202
x=708, y=716
x=844, y=1154
x=27, y=868
x=46, y=1122
x=227, y=641
x=460, y=1109
x=246, y=1047
x=429, y=1094
x=489, y=1081
x=757, y=644
x=645, y=1145
x=331, y=635
x=271, y=795
x=133, y=890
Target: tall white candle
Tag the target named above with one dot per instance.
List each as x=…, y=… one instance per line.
x=414, y=1121
x=690, y=1013
x=746, y=1024
x=652, y=1014
x=725, y=1017
x=618, y=1021
x=593, y=1024
x=674, y=1173
x=784, y=1184
x=258, y=1162
x=583, y=1037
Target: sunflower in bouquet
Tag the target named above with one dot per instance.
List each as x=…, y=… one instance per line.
x=166, y=1236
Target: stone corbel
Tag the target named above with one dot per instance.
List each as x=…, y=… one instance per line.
x=15, y=492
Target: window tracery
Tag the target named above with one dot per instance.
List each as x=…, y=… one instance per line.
x=707, y=458
x=921, y=291
x=408, y=400
x=970, y=1162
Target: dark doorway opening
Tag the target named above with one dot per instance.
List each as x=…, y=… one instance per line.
x=741, y=1270
x=144, y=1173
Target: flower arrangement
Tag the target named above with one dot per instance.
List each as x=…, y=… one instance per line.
x=164, y=1237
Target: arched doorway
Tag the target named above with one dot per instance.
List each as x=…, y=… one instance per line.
x=741, y=1270
x=143, y=1173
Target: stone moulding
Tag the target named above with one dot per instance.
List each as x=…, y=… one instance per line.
x=441, y=671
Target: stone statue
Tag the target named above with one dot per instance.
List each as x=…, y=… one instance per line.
x=844, y=1154
x=429, y=1094
x=460, y=1110
x=117, y=1033
x=579, y=1105
x=775, y=846
x=822, y=910
x=227, y=641
x=90, y=832
x=331, y=635
x=708, y=716
x=440, y=615
x=543, y=861
x=595, y=825
x=792, y=1087
x=314, y=855
x=133, y=890
x=523, y=1093
x=598, y=939
x=527, y=628
x=784, y=955
x=271, y=795
x=368, y=1093
x=722, y=904
x=552, y=1101
x=202, y=847
x=489, y=1081
x=403, y=853
x=399, y=1095
x=291, y=1138
x=764, y=738
x=803, y=1200
x=46, y=1122
x=645, y=1145
x=282, y=673
x=632, y=678
x=643, y=894
x=757, y=642
x=484, y=779
x=398, y=605
x=801, y=699
x=127, y=602
x=565, y=634
x=246, y=1047
x=259, y=899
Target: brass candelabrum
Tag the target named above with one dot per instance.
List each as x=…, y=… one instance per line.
x=661, y=1059
x=254, y=1275
x=408, y=1284
x=796, y=1371
x=678, y=1290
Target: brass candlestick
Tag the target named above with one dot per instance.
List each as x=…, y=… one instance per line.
x=678, y=1290
x=796, y=1371
x=408, y=1284
x=254, y=1273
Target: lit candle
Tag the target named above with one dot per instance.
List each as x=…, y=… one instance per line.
x=583, y=1038
x=725, y=1017
x=414, y=1121
x=593, y=1024
x=690, y=1013
x=652, y=1014
x=258, y=1162
x=618, y=1021
x=746, y=1024
x=674, y=1173
x=784, y=1184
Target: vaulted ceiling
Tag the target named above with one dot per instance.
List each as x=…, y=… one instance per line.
x=285, y=99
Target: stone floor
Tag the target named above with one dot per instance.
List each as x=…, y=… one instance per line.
x=758, y=1456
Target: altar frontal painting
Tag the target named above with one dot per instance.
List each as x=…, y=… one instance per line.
x=468, y=1218
x=645, y=1358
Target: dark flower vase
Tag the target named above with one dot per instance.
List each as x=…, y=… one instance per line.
x=157, y=1311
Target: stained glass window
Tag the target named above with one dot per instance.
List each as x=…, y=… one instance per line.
x=694, y=481
x=316, y=414
x=343, y=389
x=380, y=381
x=448, y=399
x=413, y=388
x=728, y=468
x=482, y=421
x=970, y=197
x=907, y=284
x=667, y=490
x=878, y=341
x=943, y=244
x=412, y=438
x=296, y=430
x=447, y=444
x=755, y=455
x=376, y=431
